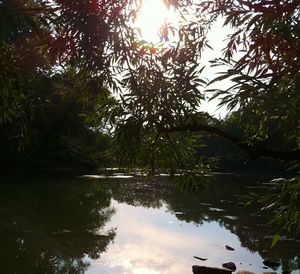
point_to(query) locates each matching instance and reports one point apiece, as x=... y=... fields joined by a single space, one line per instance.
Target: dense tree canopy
x=88 y=57
x=160 y=87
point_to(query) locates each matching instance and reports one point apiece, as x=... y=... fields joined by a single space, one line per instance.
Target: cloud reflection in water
x=153 y=241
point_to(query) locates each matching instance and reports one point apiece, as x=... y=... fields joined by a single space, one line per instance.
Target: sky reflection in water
x=154 y=241
x=66 y=225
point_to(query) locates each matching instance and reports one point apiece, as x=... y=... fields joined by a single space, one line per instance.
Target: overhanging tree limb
x=253 y=151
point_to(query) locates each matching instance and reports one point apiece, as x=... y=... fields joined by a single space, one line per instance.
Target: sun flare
x=152 y=16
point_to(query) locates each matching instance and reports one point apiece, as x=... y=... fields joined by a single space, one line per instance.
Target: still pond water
x=122 y=225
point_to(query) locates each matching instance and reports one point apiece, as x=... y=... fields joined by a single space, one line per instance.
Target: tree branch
x=253 y=151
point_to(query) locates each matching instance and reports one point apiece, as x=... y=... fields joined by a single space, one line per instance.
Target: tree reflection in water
x=52 y=226
x=57 y=226
x=223 y=202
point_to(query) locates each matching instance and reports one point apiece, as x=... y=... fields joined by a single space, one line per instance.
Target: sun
x=152 y=17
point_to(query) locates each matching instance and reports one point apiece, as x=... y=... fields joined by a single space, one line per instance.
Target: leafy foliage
x=81 y=69
x=261 y=56
x=283 y=202
x=262 y=61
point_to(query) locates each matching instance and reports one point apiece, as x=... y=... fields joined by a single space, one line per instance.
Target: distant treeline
x=227 y=157
x=56 y=128
x=61 y=136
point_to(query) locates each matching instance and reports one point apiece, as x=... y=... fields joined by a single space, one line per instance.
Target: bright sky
x=151 y=18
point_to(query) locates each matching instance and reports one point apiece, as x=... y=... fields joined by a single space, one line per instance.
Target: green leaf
x=275 y=239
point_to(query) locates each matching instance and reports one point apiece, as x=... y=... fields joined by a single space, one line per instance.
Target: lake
x=90 y=224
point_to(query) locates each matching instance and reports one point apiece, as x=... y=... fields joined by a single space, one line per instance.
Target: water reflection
x=219 y=211
x=50 y=227
x=119 y=225
x=157 y=243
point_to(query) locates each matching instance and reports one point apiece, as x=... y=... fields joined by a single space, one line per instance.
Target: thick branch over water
x=253 y=151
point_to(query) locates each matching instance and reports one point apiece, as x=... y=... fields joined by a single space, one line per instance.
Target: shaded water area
x=130 y=225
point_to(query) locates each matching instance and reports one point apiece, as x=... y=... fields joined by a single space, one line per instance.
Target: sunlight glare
x=152 y=16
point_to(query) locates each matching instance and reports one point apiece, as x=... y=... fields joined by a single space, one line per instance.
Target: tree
x=155 y=117
x=40 y=95
x=265 y=76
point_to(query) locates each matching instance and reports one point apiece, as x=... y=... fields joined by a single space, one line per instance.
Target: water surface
x=128 y=225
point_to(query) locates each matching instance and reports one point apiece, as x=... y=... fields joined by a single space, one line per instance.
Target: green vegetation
x=74 y=74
